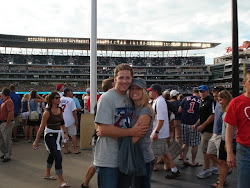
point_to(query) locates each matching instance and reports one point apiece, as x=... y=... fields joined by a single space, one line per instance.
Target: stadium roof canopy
x=19 y=41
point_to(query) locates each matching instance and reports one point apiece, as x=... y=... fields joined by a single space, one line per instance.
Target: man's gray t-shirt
x=112 y=109
x=145 y=141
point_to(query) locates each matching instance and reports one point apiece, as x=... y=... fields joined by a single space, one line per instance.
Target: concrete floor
x=26 y=170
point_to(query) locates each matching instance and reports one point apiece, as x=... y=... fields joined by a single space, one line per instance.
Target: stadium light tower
x=93 y=55
x=235 y=50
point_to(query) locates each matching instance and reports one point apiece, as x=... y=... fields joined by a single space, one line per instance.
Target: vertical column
x=235 y=52
x=93 y=55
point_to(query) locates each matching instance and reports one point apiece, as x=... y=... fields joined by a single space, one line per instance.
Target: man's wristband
x=156 y=132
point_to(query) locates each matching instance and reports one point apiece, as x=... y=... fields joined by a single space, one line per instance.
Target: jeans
x=145 y=181
x=107 y=177
x=243 y=165
x=54 y=155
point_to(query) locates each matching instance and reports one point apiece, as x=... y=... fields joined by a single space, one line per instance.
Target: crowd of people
x=135 y=127
x=101 y=60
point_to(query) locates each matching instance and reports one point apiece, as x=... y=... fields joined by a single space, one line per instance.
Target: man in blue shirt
x=16 y=99
x=214 y=142
x=189 y=108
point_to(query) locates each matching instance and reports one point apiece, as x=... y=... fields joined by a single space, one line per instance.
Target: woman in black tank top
x=53 y=123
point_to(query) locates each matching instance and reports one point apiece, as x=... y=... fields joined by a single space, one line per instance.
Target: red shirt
x=6 y=107
x=238 y=114
x=88 y=102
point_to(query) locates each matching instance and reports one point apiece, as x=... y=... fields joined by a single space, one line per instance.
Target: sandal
x=65 y=185
x=78 y=152
x=186 y=164
x=50 y=178
x=196 y=165
x=216 y=184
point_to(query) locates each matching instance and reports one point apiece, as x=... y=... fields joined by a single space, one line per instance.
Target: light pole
x=235 y=51
x=93 y=56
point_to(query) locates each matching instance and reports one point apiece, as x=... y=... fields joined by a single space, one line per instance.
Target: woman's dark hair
x=50 y=97
x=33 y=94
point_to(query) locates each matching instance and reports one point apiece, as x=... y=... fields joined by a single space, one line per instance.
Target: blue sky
x=167 y=20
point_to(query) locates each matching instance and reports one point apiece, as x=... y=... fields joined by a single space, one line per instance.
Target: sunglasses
x=57 y=97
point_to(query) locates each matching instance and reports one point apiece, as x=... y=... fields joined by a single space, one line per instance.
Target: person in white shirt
x=160 y=131
x=70 y=118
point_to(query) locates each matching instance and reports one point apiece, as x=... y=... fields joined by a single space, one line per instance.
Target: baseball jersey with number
x=68 y=106
x=190 y=110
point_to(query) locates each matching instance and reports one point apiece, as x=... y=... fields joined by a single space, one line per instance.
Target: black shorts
x=222 y=150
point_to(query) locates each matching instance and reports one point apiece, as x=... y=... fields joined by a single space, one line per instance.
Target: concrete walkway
x=26 y=170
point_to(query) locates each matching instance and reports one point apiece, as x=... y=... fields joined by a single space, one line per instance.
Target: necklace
x=54 y=111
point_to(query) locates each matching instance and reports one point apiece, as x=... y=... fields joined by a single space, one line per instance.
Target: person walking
x=205 y=125
x=55 y=131
x=70 y=119
x=160 y=131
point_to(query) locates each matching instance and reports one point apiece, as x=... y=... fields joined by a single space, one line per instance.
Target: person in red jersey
x=238 y=116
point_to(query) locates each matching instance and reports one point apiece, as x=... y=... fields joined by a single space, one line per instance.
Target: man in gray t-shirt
x=112 y=116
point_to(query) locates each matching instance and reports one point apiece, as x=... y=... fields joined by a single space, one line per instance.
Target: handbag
x=33 y=116
x=175 y=148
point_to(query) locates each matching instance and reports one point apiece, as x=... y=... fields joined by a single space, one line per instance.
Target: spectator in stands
x=25 y=114
x=17 y=108
x=53 y=123
x=34 y=99
x=59 y=89
x=238 y=115
x=6 y=125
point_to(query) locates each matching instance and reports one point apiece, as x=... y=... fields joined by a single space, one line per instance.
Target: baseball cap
x=203 y=88
x=155 y=87
x=139 y=83
x=59 y=86
x=88 y=90
x=173 y=93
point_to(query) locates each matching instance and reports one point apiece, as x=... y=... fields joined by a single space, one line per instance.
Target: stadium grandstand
x=35 y=62
x=222 y=68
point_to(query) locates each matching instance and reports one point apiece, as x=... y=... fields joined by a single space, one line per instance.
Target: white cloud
x=182 y=20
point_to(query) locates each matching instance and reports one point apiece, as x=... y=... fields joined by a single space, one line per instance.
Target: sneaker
x=173 y=175
x=204 y=174
x=215 y=170
x=6 y=160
